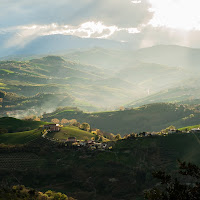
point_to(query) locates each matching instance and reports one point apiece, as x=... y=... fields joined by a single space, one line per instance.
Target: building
x=195 y=130
x=171 y=131
x=71 y=139
x=52 y=127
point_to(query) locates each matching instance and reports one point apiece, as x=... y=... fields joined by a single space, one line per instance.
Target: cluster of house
x=171 y=131
x=52 y=127
x=72 y=141
x=91 y=144
x=195 y=130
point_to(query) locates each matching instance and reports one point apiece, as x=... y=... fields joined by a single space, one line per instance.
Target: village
x=92 y=144
x=73 y=142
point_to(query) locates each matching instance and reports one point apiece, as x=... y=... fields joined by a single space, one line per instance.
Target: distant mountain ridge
x=108 y=78
x=171 y=55
x=55 y=44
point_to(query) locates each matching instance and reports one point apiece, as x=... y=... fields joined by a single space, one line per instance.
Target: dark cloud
x=122 y=13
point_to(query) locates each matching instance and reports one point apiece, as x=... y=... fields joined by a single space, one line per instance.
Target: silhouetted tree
x=186 y=186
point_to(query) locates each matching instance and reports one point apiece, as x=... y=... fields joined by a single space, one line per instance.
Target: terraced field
x=20 y=161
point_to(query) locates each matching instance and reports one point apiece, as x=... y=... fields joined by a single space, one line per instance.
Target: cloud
x=25 y=34
x=177 y=14
x=147 y=36
x=151 y=36
x=136 y=1
x=121 y=13
x=142 y=23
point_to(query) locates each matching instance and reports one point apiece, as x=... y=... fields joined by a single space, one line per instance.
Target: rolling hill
x=152 y=117
x=171 y=55
x=97 y=79
x=16 y=125
x=55 y=76
x=19 y=137
x=53 y=44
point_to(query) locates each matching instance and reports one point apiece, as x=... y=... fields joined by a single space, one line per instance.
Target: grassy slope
x=188 y=128
x=19 y=137
x=71 y=132
x=17 y=125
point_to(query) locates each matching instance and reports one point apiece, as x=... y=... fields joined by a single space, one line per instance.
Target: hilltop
x=71 y=131
x=16 y=131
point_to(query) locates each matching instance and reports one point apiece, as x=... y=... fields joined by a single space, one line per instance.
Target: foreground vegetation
x=125 y=171
x=20 y=192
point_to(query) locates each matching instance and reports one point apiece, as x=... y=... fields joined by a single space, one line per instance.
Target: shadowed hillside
x=152 y=117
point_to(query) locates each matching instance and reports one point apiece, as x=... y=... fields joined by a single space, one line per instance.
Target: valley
x=127 y=101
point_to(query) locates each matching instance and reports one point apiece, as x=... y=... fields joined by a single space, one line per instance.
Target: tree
x=72 y=121
x=185 y=186
x=3 y=130
x=55 y=120
x=121 y=108
x=118 y=137
x=85 y=126
x=64 y=121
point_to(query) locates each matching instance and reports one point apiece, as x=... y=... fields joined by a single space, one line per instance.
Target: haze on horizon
x=140 y=23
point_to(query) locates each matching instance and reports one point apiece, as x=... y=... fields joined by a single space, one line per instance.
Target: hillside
x=97 y=79
x=75 y=84
x=180 y=95
x=171 y=55
x=19 y=137
x=15 y=125
x=71 y=131
x=54 y=44
x=152 y=117
x=123 y=172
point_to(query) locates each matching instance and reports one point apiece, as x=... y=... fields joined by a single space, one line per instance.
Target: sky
x=139 y=22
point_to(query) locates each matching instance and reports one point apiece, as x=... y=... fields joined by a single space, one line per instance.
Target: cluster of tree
x=64 y=121
x=85 y=126
x=168 y=129
x=3 y=130
x=20 y=192
x=100 y=135
x=32 y=118
x=183 y=186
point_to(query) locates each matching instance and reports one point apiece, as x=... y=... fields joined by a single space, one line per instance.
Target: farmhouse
x=72 y=139
x=52 y=127
x=171 y=131
x=195 y=130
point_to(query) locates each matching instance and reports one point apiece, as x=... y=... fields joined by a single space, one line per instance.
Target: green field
x=188 y=128
x=17 y=125
x=71 y=132
x=19 y=137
